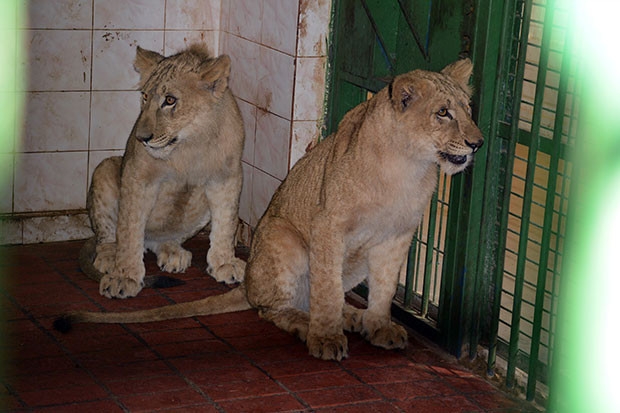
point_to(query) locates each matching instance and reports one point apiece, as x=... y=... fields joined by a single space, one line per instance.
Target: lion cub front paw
x=391 y=336
x=333 y=347
x=230 y=273
x=112 y=286
x=174 y=260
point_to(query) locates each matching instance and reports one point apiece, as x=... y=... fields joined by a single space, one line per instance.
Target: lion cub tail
x=229 y=302
x=87 y=256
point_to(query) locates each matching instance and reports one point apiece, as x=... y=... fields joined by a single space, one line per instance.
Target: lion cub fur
x=347 y=212
x=181 y=170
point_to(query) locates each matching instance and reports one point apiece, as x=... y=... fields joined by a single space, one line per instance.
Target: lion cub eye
x=169 y=101
x=145 y=96
x=444 y=113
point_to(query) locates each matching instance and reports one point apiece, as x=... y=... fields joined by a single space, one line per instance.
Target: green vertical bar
x=408 y=298
x=507 y=43
x=527 y=196
x=548 y=220
x=428 y=266
x=489 y=38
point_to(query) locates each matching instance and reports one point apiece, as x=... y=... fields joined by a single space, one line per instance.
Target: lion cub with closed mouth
x=346 y=213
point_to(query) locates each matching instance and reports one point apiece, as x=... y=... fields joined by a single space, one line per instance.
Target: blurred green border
x=586 y=365
x=11 y=87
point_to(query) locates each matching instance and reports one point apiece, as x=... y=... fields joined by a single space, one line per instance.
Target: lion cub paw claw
x=119 y=287
x=229 y=273
x=328 y=348
x=389 y=337
x=174 y=262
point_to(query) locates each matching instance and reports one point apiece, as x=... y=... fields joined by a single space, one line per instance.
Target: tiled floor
x=224 y=363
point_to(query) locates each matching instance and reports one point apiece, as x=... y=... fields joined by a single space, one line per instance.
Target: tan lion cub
x=347 y=213
x=181 y=169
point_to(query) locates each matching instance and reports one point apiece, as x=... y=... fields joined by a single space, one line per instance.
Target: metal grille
x=421 y=279
x=538 y=197
x=484 y=267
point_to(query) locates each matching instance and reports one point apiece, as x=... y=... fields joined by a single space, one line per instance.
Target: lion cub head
x=438 y=106
x=176 y=90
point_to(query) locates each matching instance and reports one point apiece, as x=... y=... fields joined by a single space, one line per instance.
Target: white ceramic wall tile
x=193 y=14
x=244 y=56
x=279 y=29
x=114 y=53
x=11 y=231
x=248 y=113
x=50 y=181
x=56 y=121
x=263 y=188
x=246 y=18
x=129 y=14
x=313 y=27
x=309 y=88
x=58 y=14
x=245 y=201
x=95 y=158
x=57 y=60
x=224 y=16
x=272 y=144
x=112 y=117
x=305 y=133
x=275 y=82
x=180 y=40
x=6 y=183
x=56 y=228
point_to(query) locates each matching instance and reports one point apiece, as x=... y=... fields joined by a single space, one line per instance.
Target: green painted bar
x=428 y=264
x=527 y=199
x=548 y=219
x=510 y=154
x=409 y=285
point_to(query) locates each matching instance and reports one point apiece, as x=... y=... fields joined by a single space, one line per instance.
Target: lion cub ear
x=145 y=62
x=215 y=74
x=460 y=71
x=403 y=92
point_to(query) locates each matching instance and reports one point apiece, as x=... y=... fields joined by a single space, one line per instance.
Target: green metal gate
x=483 y=271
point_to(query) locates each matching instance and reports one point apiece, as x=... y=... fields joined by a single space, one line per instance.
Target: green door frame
x=470 y=28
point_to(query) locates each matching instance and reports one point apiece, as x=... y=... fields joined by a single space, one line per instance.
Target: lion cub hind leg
x=171 y=257
x=290 y=319
x=105 y=254
x=386 y=335
x=352 y=318
x=385 y=262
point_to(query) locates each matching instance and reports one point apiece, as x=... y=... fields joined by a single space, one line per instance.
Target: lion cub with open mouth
x=347 y=213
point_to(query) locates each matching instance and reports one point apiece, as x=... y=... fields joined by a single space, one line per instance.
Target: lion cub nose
x=474 y=145
x=144 y=139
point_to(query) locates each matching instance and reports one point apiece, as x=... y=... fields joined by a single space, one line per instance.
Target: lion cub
x=181 y=169
x=347 y=213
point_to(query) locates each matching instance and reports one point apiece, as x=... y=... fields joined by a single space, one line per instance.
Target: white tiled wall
x=81 y=101
x=279 y=54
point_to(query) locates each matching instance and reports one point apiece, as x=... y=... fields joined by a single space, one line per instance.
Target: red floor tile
x=266 y=404
x=413 y=389
x=336 y=396
x=231 y=390
x=221 y=363
x=148 y=402
x=144 y=385
x=447 y=404
x=320 y=380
